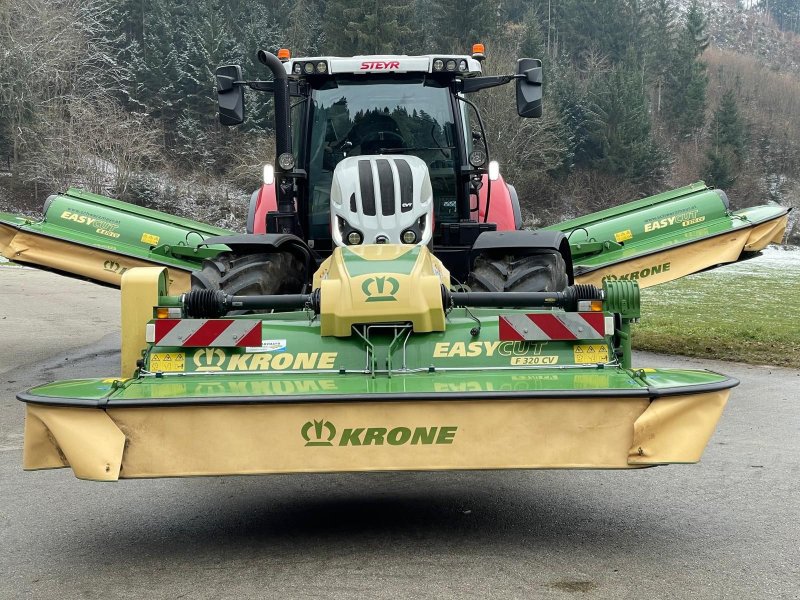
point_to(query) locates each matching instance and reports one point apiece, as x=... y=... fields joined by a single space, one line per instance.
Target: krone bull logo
x=380 y=289
x=209 y=359
x=319 y=438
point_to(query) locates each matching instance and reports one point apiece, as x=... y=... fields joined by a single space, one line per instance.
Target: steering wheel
x=377 y=140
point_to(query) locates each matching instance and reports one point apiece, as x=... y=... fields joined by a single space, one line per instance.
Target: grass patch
x=747 y=312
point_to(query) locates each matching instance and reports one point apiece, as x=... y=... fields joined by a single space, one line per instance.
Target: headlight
x=286 y=161
x=477 y=158
x=354 y=238
x=409 y=236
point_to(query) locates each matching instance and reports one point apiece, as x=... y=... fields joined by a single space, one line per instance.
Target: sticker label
x=214 y=359
x=268 y=346
x=324 y=433
x=526 y=361
x=623 y=236
x=100 y=224
x=149 y=238
x=586 y=354
x=168 y=362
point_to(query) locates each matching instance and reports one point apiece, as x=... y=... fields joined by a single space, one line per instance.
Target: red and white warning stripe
x=224 y=333
x=555 y=326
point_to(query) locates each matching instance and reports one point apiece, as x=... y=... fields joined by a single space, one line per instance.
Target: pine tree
x=305 y=31
x=687 y=81
x=628 y=148
x=727 y=126
x=728 y=142
x=381 y=27
x=533 y=43
x=719 y=170
x=461 y=23
x=608 y=28
x=661 y=45
x=696 y=24
x=582 y=120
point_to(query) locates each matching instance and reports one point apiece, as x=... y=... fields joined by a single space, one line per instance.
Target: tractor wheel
x=544 y=272
x=251 y=274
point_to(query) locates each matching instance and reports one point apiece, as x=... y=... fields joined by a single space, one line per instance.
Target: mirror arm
x=474 y=84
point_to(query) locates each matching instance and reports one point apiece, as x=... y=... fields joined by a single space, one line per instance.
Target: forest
x=117 y=96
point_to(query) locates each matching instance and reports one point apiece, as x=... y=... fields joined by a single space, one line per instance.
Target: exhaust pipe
x=286 y=219
x=283 y=137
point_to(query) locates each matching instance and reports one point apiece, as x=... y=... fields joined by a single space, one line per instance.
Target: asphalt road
x=725 y=528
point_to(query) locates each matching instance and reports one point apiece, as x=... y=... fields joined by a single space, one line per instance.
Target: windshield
x=355 y=115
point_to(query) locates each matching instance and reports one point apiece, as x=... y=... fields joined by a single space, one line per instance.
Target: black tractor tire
x=543 y=272
x=254 y=274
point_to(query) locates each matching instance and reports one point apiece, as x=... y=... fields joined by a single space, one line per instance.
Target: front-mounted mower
x=379 y=367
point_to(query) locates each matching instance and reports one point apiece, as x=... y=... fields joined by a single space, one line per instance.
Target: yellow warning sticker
x=623 y=236
x=589 y=354
x=168 y=362
x=149 y=238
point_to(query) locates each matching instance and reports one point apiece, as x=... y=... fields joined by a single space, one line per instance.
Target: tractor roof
x=463 y=65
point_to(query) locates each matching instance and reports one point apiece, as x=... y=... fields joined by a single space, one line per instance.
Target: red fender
x=262 y=201
x=501 y=207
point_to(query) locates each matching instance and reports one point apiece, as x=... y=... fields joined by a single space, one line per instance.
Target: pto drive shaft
x=212 y=304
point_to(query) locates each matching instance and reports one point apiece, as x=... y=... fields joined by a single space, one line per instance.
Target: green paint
x=114 y=227
x=357 y=265
x=662 y=222
x=380 y=289
x=311 y=386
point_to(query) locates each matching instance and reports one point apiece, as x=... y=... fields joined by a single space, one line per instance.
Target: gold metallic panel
x=141 y=289
x=673 y=263
x=95 y=263
x=614 y=433
x=676 y=430
x=86 y=440
x=381 y=297
x=764 y=234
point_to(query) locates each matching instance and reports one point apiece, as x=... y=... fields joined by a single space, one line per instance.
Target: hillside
x=117 y=96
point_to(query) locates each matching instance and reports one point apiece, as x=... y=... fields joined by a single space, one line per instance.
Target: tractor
x=365 y=145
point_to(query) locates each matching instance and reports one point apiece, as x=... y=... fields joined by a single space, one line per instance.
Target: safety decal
x=590 y=354
x=552 y=326
x=223 y=333
x=167 y=362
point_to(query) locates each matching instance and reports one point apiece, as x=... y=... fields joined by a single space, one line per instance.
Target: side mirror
x=529 y=87
x=230 y=96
